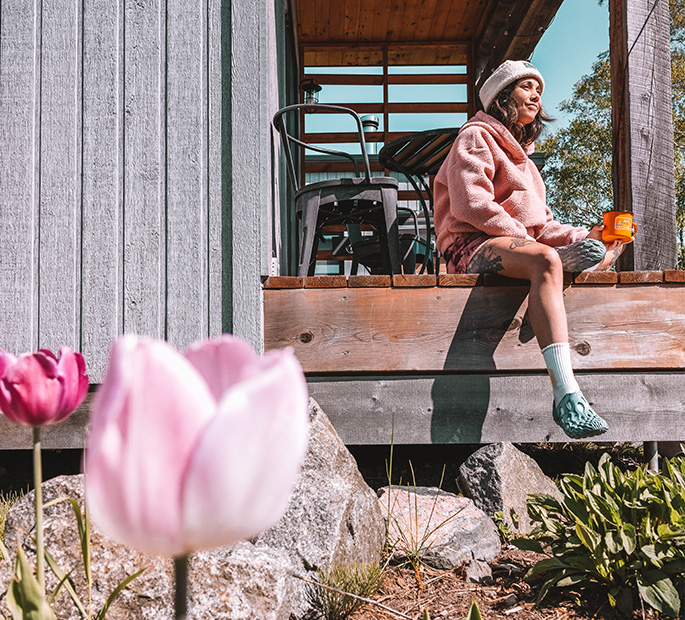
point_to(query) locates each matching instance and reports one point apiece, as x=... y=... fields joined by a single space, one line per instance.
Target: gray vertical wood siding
x=130 y=130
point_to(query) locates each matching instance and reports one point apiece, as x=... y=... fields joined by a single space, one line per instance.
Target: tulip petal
x=31 y=390
x=247 y=461
x=223 y=362
x=145 y=423
x=72 y=369
x=6 y=359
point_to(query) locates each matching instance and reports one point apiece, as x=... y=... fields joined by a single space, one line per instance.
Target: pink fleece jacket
x=487 y=183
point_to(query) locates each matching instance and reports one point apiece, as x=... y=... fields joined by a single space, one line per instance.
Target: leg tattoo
x=519 y=243
x=485 y=260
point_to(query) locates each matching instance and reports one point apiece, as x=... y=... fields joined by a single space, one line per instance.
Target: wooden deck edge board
x=447 y=409
x=401 y=281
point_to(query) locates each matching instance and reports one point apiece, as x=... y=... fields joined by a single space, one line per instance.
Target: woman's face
x=526 y=95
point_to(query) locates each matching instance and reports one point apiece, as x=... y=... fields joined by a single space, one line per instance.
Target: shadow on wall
x=461 y=396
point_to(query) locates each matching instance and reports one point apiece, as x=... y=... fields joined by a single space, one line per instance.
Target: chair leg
x=308 y=238
x=392 y=242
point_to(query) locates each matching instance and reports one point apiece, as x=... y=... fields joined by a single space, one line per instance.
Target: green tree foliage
x=578 y=157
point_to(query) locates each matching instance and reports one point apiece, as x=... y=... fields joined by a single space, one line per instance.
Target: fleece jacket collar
x=501 y=134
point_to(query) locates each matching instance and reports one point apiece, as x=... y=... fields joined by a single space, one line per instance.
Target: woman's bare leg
x=539 y=263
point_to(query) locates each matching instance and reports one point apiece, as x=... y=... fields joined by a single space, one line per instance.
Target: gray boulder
x=498 y=478
x=443 y=529
x=333 y=516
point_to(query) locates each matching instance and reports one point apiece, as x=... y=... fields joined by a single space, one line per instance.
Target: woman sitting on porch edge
x=491 y=216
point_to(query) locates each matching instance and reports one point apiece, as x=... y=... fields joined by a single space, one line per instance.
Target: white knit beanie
x=509 y=71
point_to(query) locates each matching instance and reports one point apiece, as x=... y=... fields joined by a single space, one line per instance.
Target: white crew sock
x=558 y=361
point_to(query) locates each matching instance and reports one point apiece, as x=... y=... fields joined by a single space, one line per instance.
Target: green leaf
x=546 y=565
x=474 y=612
x=527 y=544
x=589 y=538
x=59 y=573
x=628 y=537
x=25 y=597
x=111 y=598
x=658 y=590
x=578 y=509
x=571 y=580
x=83 y=524
x=613 y=542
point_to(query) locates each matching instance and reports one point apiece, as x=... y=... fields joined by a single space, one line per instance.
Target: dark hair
x=503 y=108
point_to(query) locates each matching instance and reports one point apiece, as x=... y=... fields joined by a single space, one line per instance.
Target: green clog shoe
x=577 y=418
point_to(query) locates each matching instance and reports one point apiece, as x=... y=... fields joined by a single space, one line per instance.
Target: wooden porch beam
x=512 y=32
x=643 y=129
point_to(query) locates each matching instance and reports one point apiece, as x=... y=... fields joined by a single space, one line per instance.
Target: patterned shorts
x=459 y=254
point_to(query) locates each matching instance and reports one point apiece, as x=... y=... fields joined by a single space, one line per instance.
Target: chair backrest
x=289 y=138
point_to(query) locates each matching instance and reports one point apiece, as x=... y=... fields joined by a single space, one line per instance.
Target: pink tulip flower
x=194 y=451
x=37 y=389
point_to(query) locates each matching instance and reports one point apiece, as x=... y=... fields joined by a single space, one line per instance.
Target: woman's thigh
x=513 y=257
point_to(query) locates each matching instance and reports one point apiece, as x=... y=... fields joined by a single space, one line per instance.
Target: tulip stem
x=181 y=597
x=38 y=495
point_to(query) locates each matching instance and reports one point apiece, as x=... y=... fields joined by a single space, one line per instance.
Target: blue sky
x=579 y=32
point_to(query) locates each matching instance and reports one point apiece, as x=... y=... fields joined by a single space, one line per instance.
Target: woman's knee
x=545 y=263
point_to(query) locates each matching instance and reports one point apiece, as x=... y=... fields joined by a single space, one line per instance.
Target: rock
x=445 y=530
x=478 y=571
x=498 y=478
x=333 y=516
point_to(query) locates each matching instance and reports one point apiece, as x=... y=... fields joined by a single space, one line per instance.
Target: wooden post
x=643 y=129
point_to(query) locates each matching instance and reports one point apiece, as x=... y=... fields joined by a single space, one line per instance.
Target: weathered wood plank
x=473 y=329
x=325 y=281
x=412 y=280
x=186 y=191
x=144 y=156
x=481 y=408
x=68 y=434
x=60 y=176
x=216 y=171
x=19 y=180
x=643 y=129
x=102 y=193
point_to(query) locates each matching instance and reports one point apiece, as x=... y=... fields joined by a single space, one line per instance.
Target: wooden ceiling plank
x=352 y=11
x=412 y=11
x=306 y=19
x=382 y=10
x=337 y=28
x=322 y=19
x=367 y=16
x=395 y=20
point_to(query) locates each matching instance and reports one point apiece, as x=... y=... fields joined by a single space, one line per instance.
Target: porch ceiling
x=493 y=29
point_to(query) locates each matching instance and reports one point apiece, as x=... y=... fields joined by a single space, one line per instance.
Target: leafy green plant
x=622 y=533
x=344 y=588
x=505 y=533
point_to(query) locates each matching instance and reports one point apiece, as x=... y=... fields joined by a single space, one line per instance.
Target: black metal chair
x=355 y=201
x=418 y=156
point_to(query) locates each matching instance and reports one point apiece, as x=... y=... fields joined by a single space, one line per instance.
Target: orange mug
x=618 y=225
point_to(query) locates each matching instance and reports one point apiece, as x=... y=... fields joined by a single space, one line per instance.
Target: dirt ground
x=448 y=595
